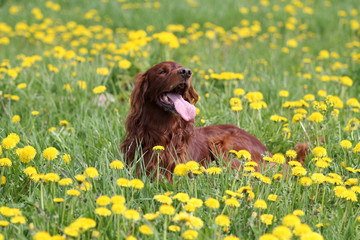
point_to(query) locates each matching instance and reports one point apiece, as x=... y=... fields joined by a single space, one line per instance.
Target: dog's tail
x=302 y=149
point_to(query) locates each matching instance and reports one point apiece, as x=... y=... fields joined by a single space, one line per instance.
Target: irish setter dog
x=162 y=113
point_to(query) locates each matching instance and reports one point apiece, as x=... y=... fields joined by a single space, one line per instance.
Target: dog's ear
x=137 y=100
x=191 y=95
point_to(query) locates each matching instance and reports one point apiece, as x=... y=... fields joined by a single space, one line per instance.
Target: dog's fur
x=151 y=122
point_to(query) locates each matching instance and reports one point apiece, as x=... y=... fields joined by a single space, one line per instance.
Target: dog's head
x=168 y=86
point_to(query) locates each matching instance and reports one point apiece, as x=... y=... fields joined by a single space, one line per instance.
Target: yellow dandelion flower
x=146 y=230
x=163 y=199
x=180 y=170
x=91 y=172
x=124 y=64
x=213 y=170
x=282 y=232
x=66 y=158
x=103 y=200
x=118 y=208
x=15 y=119
x=50 y=153
x=316 y=117
x=182 y=197
x=174 y=228
x=222 y=220
x=291 y=220
x=99 y=89
x=27 y=153
x=212 y=203
x=123 y=182
x=167 y=209
x=232 y=202
x=267 y=219
x=190 y=234
x=260 y=203
x=136 y=183
x=117 y=164
x=131 y=214
x=346 y=144
x=102 y=211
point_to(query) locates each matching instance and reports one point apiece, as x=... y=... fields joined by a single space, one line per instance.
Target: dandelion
x=278 y=158
x=58 y=200
x=192 y=166
x=305 y=181
x=123 y=182
x=195 y=202
x=50 y=153
x=91 y=172
x=298 y=171
x=311 y=236
x=190 y=234
x=117 y=164
x=27 y=153
x=136 y=183
x=118 y=208
x=167 y=209
x=319 y=152
x=99 y=89
x=15 y=119
x=64 y=123
x=291 y=154
x=267 y=218
x=73 y=192
x=5 y=162
x=283 y=93
x=18 y=220
x=213 y=170
x=117 y=199
x=180 y=170
x=163 y=199
x=222 y=220
x=124 y=64
x=101 y=211
x=356 y=149
x=316 y=117
x=4 y=223
x=272 y=197
x=260 y=203
x=174 y=228
x=29 y=171
x=282 y=232
x=102 y=71
x=158 y=148
x=301 y=229
x=9 y=143
x=146 y=230
x=268 y=236
x=80 y=178
x=239 y=92
x=232 y=202
x=51 y=177
x=131 y=214
x=212 y=203
x=103 y=200
x=151 y=216
x=298 y=212
x=291 y=220
x=66 y=158
x=182 y=197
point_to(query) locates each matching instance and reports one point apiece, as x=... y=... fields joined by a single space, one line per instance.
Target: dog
x=162 y=113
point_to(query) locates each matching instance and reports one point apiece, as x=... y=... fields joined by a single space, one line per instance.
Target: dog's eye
x=163 y=72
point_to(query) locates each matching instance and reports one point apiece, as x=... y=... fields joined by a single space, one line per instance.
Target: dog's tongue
x=186 y=110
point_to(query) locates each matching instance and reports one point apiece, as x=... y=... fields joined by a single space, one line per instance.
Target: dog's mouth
x=174 y=101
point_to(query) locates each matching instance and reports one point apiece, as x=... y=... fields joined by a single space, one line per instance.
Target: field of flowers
x=286 y=71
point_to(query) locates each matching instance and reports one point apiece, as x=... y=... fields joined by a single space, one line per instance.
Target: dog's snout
x=185 y=72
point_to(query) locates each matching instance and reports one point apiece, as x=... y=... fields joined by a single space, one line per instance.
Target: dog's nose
x=185 y=73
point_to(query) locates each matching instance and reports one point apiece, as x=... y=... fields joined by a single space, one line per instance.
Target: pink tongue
x=186 y=110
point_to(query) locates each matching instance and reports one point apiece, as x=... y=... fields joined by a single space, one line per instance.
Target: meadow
x=286 y=71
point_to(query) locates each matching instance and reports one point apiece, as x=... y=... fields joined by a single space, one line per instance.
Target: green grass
x=95 y=132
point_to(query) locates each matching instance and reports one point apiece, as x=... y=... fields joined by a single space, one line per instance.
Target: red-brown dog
x=162 y=113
